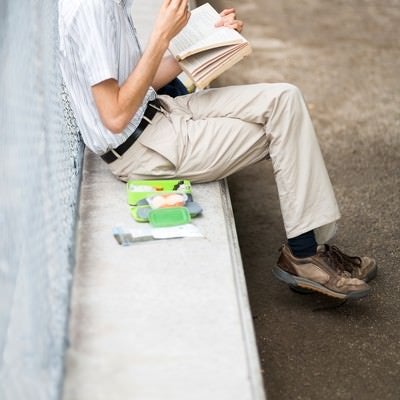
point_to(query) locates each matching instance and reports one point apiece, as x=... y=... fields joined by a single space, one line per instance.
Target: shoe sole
x=300 y=290
x=372 y=275
x=296 y=282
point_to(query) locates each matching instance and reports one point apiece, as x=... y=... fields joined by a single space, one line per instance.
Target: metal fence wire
x=40 y=163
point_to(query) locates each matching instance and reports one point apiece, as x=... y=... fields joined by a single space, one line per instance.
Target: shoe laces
x=342 y=262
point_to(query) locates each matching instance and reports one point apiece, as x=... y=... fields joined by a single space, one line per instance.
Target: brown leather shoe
x=363 y=268
x=324 y=273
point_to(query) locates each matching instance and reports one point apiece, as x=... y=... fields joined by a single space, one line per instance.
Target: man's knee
x=289 y=90
x=282 y=91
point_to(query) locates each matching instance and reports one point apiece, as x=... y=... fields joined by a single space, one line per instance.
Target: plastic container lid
x=171 y=216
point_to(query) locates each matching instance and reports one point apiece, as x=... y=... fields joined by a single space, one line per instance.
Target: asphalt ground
x=345 y=57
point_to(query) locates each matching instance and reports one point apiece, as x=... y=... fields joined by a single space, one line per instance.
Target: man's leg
x=211 y=134
x=306 y=195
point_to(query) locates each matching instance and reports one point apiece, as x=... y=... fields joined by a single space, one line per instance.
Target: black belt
x=152 y=107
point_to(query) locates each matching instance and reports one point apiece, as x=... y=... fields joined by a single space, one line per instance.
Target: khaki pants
x=211 y=134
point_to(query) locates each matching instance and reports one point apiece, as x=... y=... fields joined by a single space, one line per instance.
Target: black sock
x=303 y=245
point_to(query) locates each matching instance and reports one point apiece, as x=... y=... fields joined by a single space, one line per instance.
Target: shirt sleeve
x=94 y=34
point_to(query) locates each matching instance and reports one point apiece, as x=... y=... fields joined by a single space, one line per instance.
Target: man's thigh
x=251 y=103
x=202 y=150
x=199 y=144
x=217 y=147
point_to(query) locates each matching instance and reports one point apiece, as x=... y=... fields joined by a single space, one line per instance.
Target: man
x=203 y=136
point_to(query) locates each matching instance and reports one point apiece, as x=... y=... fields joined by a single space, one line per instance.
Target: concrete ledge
x=158 y=320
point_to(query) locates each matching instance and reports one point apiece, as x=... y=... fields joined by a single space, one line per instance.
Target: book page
x=222 y=66
x=202 y=68
x=201 y=34
x=215 y=65
x=196 y=62
x=212 y=63
x=201 y=61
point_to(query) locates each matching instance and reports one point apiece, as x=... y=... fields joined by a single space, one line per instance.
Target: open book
x=203 y=51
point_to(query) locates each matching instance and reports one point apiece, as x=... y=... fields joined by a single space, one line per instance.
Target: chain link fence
x=40 y=164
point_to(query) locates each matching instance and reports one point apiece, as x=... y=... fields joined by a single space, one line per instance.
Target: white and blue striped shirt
x=97 y=42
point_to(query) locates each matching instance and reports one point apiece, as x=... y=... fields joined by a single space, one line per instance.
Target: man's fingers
x=179 y=4
x=177 y=9
x=233 y=24
x=227 y=11
x=173 y=16
x=228 y=19
x=237 y=25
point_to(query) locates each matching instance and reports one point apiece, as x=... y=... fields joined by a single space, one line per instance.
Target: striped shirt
x=97 y=42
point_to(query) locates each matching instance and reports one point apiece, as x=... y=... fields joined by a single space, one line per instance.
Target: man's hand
x=228 y=19
x=172 y=18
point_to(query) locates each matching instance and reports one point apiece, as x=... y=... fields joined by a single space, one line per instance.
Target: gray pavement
x=345 y=56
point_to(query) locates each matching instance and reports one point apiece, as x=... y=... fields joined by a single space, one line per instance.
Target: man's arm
x=118 y=104
x=168 y=70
